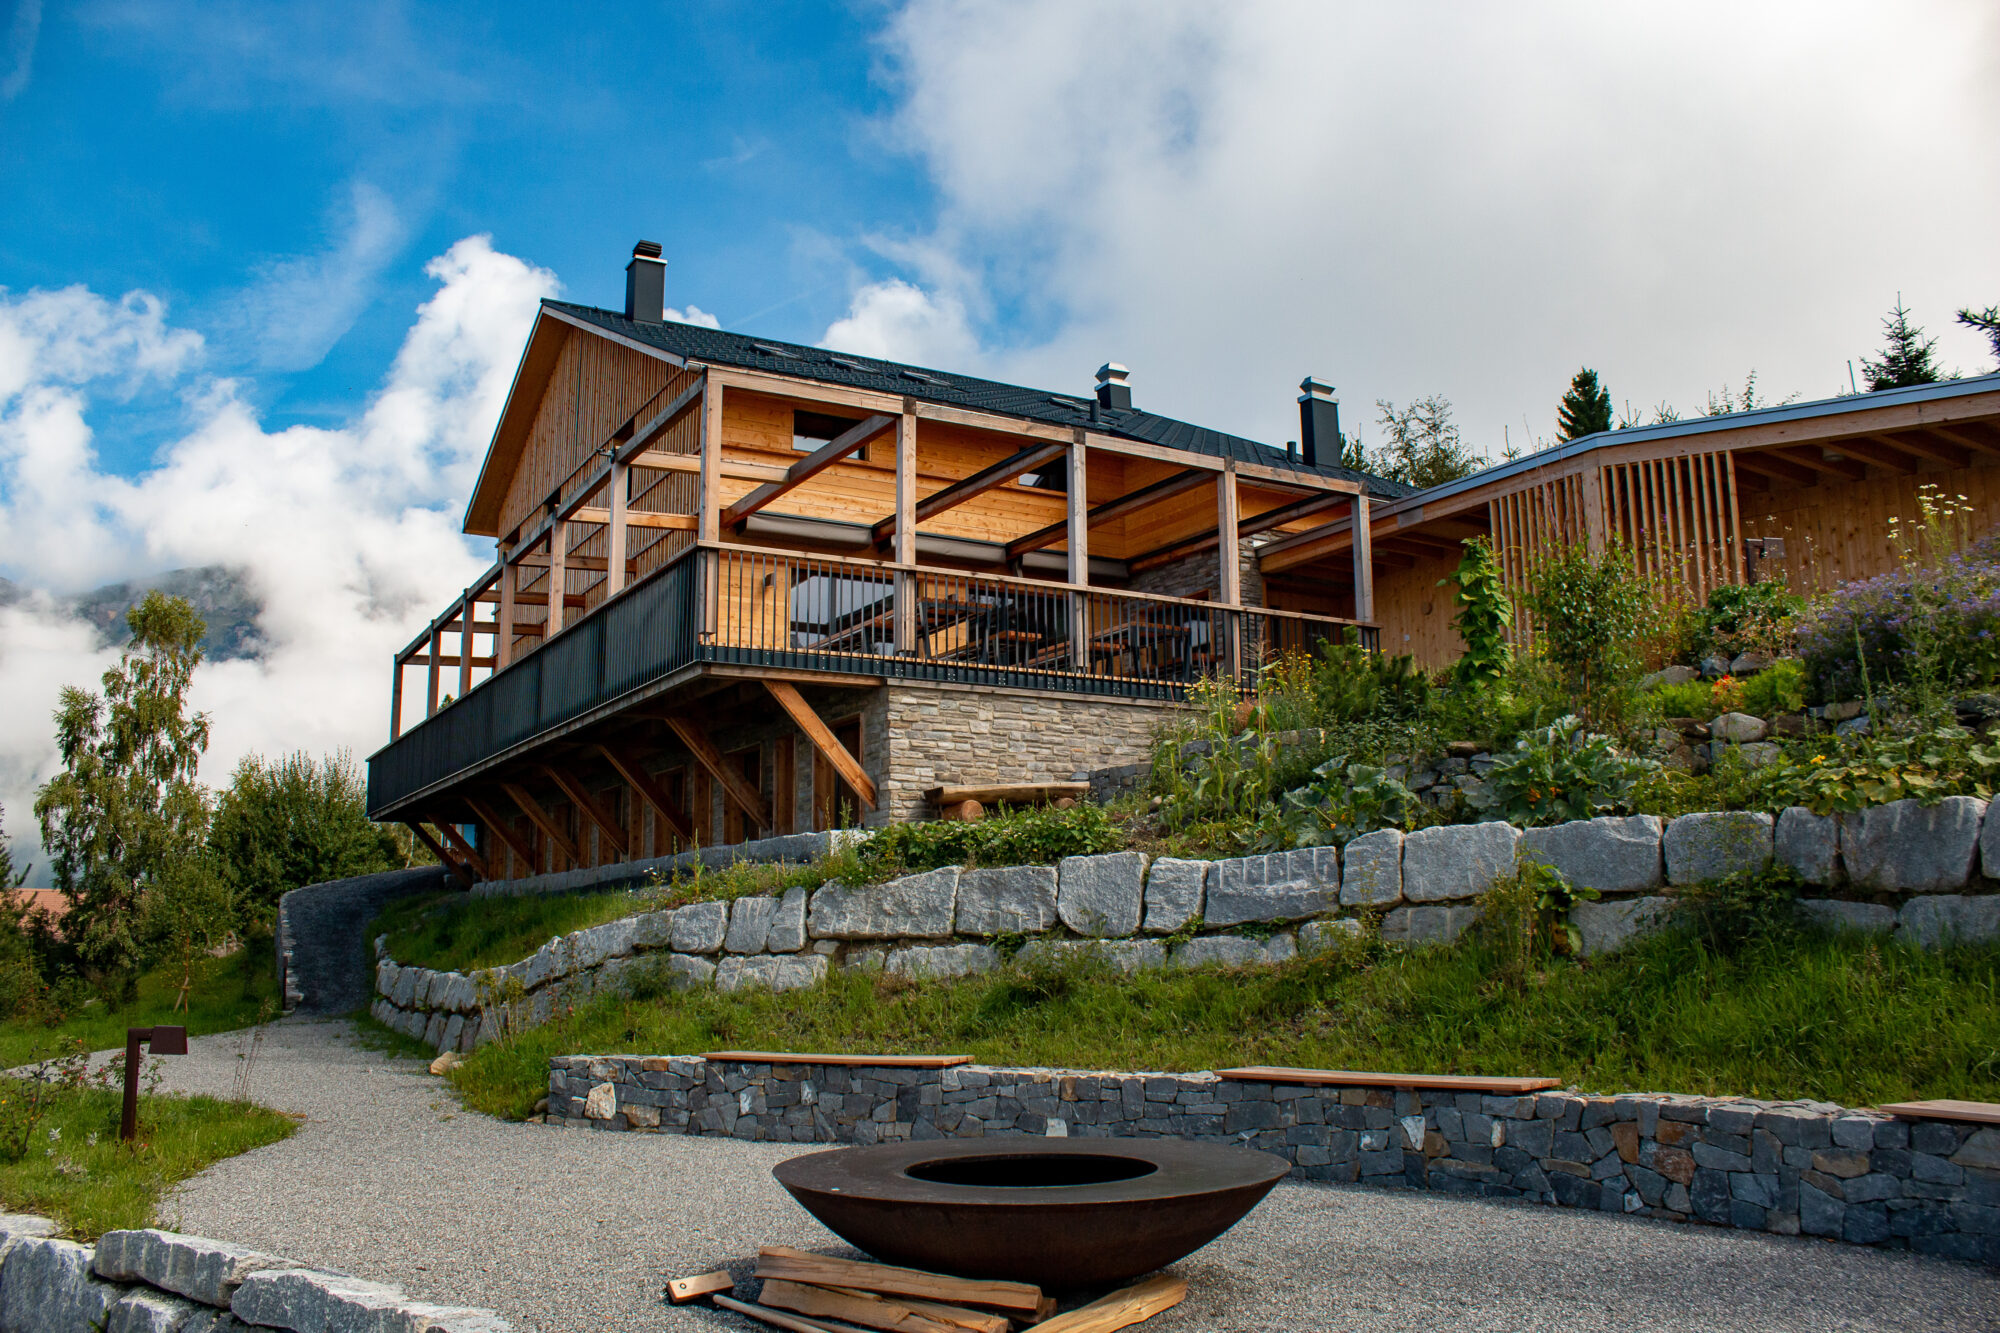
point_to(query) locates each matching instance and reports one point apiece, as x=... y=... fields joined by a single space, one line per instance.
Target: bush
x=1035 y=835
x=1778 y=688
x=1347 y=801
x=1590 y=609
x=1558 y=773
x=1745 y=617
x=285 y=823
x=1748 y=907
x=1485 y=613
x=1694 y=698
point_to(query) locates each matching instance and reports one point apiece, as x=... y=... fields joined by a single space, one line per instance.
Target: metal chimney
x=646 y=284
x=1113 y=393
x=1319 y=420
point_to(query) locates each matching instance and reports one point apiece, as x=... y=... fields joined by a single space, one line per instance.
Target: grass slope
x=232 y=992
x=1842 y=1018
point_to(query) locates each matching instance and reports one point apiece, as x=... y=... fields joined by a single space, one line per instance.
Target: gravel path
x=564 y=1230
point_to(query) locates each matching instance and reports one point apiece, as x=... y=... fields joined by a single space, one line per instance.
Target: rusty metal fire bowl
x=1060 y=1213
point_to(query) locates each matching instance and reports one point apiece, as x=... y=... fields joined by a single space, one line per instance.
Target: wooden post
x=546 y=822
x=708 y=523
x=738 y=789
x=435 y=646
x=906 y=528
x=1364 y=563
x=1229 y=587
x=500 y=828
x=396 y=700
x=629 y=767
x=823 y=740
x=466 y=608
x=558 y=577
x=1078 y=538
x=465 y=849
x=503 y=642
x=614 y=533
x=1594 y=508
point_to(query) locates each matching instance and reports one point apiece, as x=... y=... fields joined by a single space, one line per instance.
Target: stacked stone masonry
x=159 y=1282
x=1923 y=873
x=1794 y=1168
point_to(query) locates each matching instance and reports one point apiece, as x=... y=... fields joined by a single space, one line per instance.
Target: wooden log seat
x=1349 y=1078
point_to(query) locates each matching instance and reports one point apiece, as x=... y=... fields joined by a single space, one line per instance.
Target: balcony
x=716 y=606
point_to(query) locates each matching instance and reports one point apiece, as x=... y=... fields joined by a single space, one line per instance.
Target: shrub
x=1779 y=688
x=1035 y=835
x=1741 y=909
x=1484 y=613
x=1347 y=801
x=1690 y=699
x=1558 y=773
x=289 y=822
x=1589 y=611
x=1745 y=617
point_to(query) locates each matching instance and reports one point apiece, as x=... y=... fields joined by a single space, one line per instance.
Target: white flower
x=55 y=1133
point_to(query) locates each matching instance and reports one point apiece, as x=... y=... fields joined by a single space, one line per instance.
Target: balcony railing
x=762 y=608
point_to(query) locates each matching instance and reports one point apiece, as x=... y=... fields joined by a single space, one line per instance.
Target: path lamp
x=163 y=1041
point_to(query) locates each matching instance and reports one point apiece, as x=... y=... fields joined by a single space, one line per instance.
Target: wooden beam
x=558 y=579
x=636 y=518
x=734 y=784
x=709 y=505
x=660 y=423
x=544 y=821
x=1291 y=513
x=614 y=528
x=1889 y=457
x=1814 y=457
x=656 y=461
x=1363 y=560
x=1076 y=530
x=980 y=482
x=1772 y=466
x=627 y=766
x=503 y=638
x=445 y=858
x=1164 y=489
x=1916 y=442
x=959 y=416
x=1229 y=567
x=819 y=460
x=1965 y=439
x=504 y=830
x=822 y=738
x=905 y=528
x=584 y=801
x=464 y=848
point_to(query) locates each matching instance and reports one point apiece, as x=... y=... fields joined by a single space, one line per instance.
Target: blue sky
x=209 y=153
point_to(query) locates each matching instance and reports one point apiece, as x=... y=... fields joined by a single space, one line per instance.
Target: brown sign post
x=163 y=1041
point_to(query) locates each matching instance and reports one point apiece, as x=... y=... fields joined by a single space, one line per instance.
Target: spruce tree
x=1907 y=356
x=1987 y=321
x=1585 y=409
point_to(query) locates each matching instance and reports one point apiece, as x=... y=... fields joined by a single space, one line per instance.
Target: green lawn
x=232 y=992
x=1799 y=1015
x=75 y=1169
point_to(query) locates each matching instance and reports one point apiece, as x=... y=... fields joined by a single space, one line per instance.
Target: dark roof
x=938 y=386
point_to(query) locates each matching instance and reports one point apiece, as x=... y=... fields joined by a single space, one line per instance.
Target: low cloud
x=897 y=321
x=348 y=538
x=20 y=55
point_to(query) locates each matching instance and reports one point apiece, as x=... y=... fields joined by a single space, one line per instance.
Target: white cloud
x=896 y=321
x=21 y=34
x=694 y=314
x=1421 y=198
x=349 y=538
x=300 y=307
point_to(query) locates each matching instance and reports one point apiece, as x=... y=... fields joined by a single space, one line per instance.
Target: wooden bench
x=807 y=1058
x=1978 y=1113
x=1350 y=1078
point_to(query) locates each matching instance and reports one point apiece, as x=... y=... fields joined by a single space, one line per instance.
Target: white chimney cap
x=1111 y=373
x=1312 y=388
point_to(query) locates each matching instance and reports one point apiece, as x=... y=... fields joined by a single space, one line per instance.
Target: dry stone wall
x=1922 y=873
x=160 y=1282
x=1794 y=1168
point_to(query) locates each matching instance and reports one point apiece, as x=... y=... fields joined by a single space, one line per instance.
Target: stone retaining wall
x=158 y=1282
x=1917 y=871
x=1793 y=1168
x=795 y=848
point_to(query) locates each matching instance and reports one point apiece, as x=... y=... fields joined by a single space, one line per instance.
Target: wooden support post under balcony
x=503 y=637
x=627 y=766
x=738 y=789
x=544 y=821
x=1078 y=537
x=465 y=612
x=504 y=830
x=465 y=849
x=906 y=528
x=436 y=644
x=445 y=858
x=1364 y=563
x=396 y=701
x=580 y=797
x=823 y=740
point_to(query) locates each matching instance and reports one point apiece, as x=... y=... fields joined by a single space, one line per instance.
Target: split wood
x=1121 y=1309
x=777 y=1261
x=872 y=1311
x=681 y=1290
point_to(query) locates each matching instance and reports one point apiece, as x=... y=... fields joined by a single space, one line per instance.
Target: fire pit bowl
x=1060 y=1213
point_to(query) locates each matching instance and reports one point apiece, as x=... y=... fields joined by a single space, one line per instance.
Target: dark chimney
x=1113 y=393
x=646 y=284
x=1319 y=421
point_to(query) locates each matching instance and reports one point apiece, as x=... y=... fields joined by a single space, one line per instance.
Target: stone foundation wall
x=955 y=735
x=160 y=1282
x=1921 y=873
x=1794 y=1168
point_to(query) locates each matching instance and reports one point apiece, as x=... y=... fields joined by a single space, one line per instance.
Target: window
x=810 y=430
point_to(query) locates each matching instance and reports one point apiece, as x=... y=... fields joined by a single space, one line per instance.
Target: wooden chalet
x=744 y=587
x=1803 y=491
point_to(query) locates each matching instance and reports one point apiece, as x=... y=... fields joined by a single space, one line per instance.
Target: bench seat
x=1978 y=1113
x=848 y=1061
x=1350 y=1078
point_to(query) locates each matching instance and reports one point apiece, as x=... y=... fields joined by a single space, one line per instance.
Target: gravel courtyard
x=562 y=1230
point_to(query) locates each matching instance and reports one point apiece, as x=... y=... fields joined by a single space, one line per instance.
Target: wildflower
x=1819 y=759
x=55 y=1133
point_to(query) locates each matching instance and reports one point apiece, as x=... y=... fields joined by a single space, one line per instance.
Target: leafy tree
x=1484 y=613
x=1589 y=609
x=1424 y=447
x=189 y=911
x=10 y=878
x=294 y=821
x=1987 y=321
x=1907 y=356
x=126 y=811
x=1585 y=409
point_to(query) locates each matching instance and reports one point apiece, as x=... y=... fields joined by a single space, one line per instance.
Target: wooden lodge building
x=745 y=587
